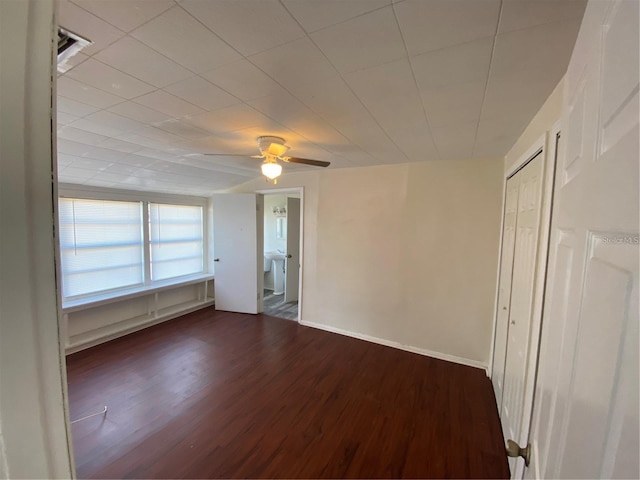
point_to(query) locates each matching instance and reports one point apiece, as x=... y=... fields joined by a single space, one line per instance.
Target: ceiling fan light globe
x=271 y=170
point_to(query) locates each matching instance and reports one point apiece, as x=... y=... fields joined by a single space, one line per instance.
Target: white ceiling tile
x=243 y=79
x=90 y=164
x=182 y=129
x=365 y=41
x=126 y=15
x=186 y=41
x=138 y=112
x=81 y=136
x=235 y=117
x=87 y=25
x=136 y=160
x=108 y=79
x=76 y=173
x=120 y=145
x=202 y=93
x=293 y=114
x=455 y=144
x=65 y=118
x=332 y=99
x=104 y=131
x=507 y=97
x=115 y=121
x=250 y=26
x=294 y=63
x=316 y=14
x=389 y=93
x=163 y=137
x=145 y=141
x=434 y=24
x=455 y=104
x=83 y=93
x=120 y=169
x=72 y=107
x=546 y=47
x=168 y=104
x=65 y=160
x=71 y=147
x=519 y=14
x=464 y=63
x=126 y=55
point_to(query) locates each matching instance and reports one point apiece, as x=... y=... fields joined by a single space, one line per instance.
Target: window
x=176 y=237
x=101 y=245
x=104 y=245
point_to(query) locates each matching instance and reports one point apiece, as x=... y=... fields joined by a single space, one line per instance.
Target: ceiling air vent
x=69 y=44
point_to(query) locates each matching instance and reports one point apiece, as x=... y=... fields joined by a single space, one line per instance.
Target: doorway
x=282 y=247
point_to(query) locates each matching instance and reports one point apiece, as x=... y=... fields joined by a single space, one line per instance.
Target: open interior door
x=292 y=277
x=237 y=242
x=586 y=419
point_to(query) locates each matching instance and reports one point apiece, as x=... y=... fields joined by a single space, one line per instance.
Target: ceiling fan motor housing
x=273 y=146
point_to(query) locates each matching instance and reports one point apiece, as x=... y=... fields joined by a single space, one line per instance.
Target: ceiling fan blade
x=229 y=155
x=306 y=161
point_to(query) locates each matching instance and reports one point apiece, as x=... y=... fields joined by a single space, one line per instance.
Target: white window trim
x=66 y=190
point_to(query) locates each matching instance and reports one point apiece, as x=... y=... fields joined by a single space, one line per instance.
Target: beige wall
x=548 y=114
x=405 y=254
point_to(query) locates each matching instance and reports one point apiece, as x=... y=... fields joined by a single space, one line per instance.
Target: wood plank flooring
x=223 y=395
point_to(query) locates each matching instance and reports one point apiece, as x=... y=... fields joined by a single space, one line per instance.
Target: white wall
x=271 y=242
x=404 y=254
x=32 y=378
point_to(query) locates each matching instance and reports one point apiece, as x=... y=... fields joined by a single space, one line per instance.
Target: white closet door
x=513 y=415
x=504 y=289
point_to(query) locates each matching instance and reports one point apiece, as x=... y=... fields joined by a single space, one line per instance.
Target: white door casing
x=237 y=234
x=504 y=288
x=292 y=277
x=585 y=422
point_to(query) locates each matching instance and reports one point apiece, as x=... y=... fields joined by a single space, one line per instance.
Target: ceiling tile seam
x=486 y=85
x=415 y=82
x=350 y=89
x=341 y=21
x=570 y=19
x=99 y=18
x=213 y=33
x=195 y=74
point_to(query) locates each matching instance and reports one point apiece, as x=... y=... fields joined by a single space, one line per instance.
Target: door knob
x=289 y=256
x=514 y=450
x=216 y=259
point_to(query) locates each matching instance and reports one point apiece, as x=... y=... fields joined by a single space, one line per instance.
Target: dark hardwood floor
x=223 y=395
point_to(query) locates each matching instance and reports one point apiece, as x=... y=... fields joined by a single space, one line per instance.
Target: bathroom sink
x=274 y=256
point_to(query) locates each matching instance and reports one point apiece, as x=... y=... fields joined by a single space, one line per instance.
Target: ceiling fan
x=273 y=149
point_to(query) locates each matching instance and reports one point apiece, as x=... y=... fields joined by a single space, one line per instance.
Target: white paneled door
x=585 y=422
x=520 y=350
x=238 y=252
x=292 y=278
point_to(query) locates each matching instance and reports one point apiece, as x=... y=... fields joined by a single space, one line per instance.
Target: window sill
x=74 y=305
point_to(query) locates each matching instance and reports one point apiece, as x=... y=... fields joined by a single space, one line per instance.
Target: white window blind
x=101 y=245
x=176 y=238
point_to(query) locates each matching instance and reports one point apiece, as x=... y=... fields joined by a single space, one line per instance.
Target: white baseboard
x=399 y=346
